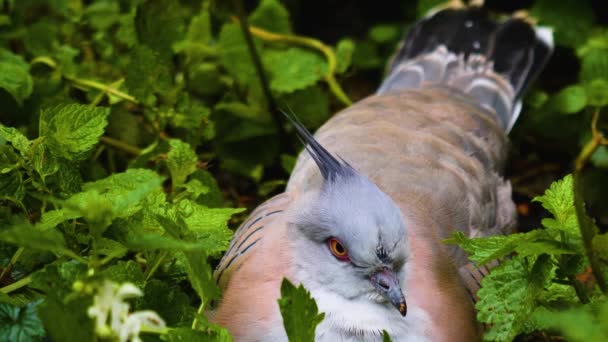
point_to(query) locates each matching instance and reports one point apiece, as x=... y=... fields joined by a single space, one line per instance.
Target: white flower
x=109 y=302
x=130 y=329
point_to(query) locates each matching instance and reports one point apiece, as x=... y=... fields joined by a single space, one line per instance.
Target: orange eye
x=337 y=249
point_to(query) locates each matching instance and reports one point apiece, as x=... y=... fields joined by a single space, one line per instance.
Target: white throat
x=364 y=319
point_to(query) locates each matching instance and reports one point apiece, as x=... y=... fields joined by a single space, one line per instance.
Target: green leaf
x=486 y=249
x=20 y=324
x=72 y=130
x=344 y=54
x=208 y=225
x=169 y=301
x=311 y=104
x=232 y=49
x=15 y=76
x=383 y=34
x=16 y=138
x=119 y=195
x=508 y=296
x=200 y=275
x=148 y=74
x=214 y=198
x=597 y=92
x=593 y=56
x=181 y=161
x=56 y=280
x=212 y=333
x=294 y=69
x=385 y=336
x=300 y=313
x=25 y=235
x=559 y=201
x=569 y=100
x=67 y=320
x=585 y=323
x=124 y=272
x=194 y=188
x=159 y=24
x=271 y=15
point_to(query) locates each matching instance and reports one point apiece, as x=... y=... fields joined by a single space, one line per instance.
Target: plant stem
x=102 y=87
x=154 y=267
x=12 y=262
x=120 y=145
x=16 y=285
x=586 y=225
x=327 y=51
x=257 y=62
x=198 y=312
x=153 y=330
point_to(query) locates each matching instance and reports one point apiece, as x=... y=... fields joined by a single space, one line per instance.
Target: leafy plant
x=130 y=129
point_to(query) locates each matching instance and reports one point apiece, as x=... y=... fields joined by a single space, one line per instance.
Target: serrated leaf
x=148 y=74
x=181 y=161
x=214 y=198
x=194 y=188
x=271 y=15
x=118 y=195
x=15 y=76
x=300 y=313
x=72 y=130
x=16 y=138
x=207 y=224
x=508 y=296
x=294 y=69
x=56 y=280
x=20 y=324
x=486 y=249
x=559 y=201
x=159 y=24
x=124 y=272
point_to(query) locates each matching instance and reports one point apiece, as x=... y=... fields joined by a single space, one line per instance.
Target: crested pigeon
x=383 y=182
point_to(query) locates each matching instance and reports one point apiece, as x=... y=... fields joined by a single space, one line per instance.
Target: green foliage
x=300 y=313
x=529 y=282
x=14 y=76
x=117 y=117
x=20 y=324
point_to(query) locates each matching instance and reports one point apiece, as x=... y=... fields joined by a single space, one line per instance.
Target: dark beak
x=387 y=285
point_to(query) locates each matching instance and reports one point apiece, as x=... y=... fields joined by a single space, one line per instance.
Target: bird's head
x=349 y=235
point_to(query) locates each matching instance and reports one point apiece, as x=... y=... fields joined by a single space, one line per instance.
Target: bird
x=383 y=182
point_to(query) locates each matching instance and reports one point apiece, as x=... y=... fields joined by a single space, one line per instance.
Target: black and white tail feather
x=494 y=62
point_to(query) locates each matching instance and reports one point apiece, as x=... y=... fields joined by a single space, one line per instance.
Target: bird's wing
x=250 y=273
x=261 y=223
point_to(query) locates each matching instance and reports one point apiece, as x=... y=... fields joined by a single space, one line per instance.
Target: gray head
x=351 y=236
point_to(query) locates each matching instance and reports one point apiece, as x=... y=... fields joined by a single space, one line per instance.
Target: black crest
x=331 y=167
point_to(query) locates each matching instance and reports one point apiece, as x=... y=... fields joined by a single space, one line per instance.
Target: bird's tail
x=494 y=62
